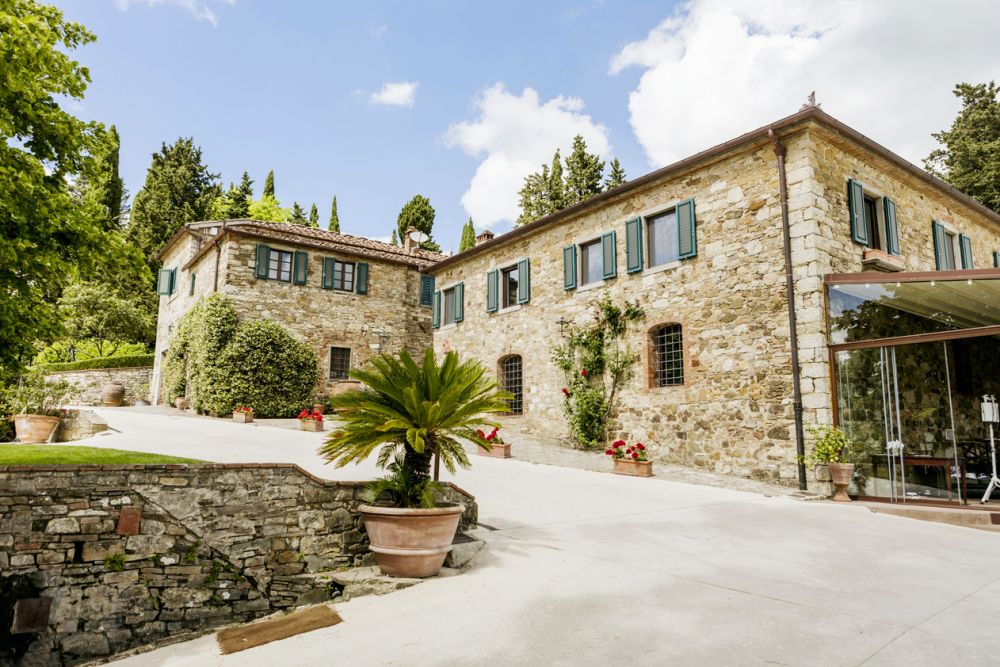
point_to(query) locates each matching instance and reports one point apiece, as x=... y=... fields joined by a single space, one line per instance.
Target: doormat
x=232 y=640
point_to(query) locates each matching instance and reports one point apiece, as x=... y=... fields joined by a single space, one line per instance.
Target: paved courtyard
x=588 y=568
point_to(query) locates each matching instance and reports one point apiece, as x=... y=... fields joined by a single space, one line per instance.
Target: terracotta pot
x=841 y=474
x=141 y=402
x=113 y=394
x=320 y=408
x=633 y=468
x=243 y=417
x=411 y=542
x=310 y=425
x=181 y=403
x=34 y=428
x=498 y=451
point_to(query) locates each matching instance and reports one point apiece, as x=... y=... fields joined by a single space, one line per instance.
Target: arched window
x=666 y=355
x=512 y=380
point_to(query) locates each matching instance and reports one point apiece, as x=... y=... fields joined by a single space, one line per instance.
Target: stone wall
x=733 y=412
x=91 y=382
x=95 y=560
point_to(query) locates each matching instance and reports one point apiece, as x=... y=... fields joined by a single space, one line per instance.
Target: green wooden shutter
x=163 y=281
x=327 y=280
x=491 y=291
x=426 y=290
x=609 y=255
x=523 y=281
x=191 y=286
x=965 y=244
x=569 y=267
x=687 y=234
x=263 y=260
x=361 y=277
x=856 y=204
x=937 y=233
x=459 y=302
x=436 y=317
x=633 y=245
x=996 y=259
x=891 y=227
x=173 y=280
x=300 y=268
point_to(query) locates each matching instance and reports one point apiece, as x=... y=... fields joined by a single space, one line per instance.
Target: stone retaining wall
x=95 y=560
x=90 y=382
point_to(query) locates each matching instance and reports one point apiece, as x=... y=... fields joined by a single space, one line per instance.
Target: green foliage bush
x=131 y=361
x=219 y=362
x=64 y=352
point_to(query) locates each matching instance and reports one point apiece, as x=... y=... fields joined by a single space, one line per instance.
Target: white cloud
x=398 y=94
x=515 y=135
x=198 y=8
x=718 y=68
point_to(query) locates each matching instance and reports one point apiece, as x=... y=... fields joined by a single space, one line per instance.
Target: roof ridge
x=340 y=237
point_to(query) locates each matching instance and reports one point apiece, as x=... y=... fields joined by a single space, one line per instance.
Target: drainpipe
x=218 y=255
x=800 y=448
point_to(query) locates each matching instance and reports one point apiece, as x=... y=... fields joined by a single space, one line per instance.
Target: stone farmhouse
x=798 y=274
x=349 y=297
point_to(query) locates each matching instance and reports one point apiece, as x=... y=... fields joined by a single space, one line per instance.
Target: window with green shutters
x=492 y=290
x=660 y=239
x=300 y=272
x=633 y=245
x=950 y=248
x=687 y=236
x=569 y=267
x=609 y=256
x=343 y=276
x=449 y=306
x=873 y=219
x=965 y=246
x=362 y=282
x=166 y=281
x=523 y=281
x=426 y=290
x=263 y=261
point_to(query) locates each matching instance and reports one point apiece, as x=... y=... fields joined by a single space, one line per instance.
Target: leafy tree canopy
x=298 y=216
x=616 y=177
x=93 y=313
x=969 y=157
x=418 y=213
x=269 y=209
x=583 y=173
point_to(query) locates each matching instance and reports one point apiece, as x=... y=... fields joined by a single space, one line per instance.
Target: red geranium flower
x=640 y=447
x=609 y=452
x=618 y=443
x=584 y=372
x=635 y=455
x=565 y=391
x=480 y=433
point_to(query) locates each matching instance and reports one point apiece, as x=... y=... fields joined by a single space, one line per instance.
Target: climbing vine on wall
x=596 y=363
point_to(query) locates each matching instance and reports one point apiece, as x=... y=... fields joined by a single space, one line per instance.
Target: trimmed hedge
x=131 y=361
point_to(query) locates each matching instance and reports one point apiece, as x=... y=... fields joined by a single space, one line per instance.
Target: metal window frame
x=667 y=355
x=343 y=368
x=512 y=380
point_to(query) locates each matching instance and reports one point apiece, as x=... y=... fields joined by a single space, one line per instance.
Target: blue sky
x=496 y=87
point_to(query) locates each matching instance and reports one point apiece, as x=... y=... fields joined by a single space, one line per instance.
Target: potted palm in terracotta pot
x=412 y=413
x=37 y=404
x=831 y=447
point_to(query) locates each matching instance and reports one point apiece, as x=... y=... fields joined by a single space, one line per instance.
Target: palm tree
x=420 y=410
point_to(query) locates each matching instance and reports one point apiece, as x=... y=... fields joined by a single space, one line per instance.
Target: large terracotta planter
x=841 y=474
x=411 y=542
x=243 y=417
x=633 y=468
x=310 y=425
x=501 y=451
x=113 y=394
x=34 y=428
x=320 y=408
x=181 y=403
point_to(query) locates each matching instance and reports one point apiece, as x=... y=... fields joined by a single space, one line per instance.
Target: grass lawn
x=14 y=455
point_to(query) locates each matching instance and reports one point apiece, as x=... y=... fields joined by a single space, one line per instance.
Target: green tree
x=969 y=157
x=534 y=197
x=556 y=194
x=394 y=240
x=583 y=173
x=178 y=189
x=298 y=215
x=268 y=209
x=334 y=225
x=418 y=213
x=239 y=205
x=468 y=236
x=314 y=217
x=269 y=185
x=49 y=234
x=421 y=410
x=616 y=177
x=105 y=188
x=93 y=313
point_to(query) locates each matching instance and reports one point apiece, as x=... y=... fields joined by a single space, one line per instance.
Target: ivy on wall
x=219 y=362
x=596 y=362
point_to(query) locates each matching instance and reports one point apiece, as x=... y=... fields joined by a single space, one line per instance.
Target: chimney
x=408 y=245
x=484 y=236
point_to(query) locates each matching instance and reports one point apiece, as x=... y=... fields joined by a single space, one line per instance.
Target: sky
x=459 y=101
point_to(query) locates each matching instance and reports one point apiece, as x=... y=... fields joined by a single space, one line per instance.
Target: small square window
x=663 y=238
x=340 y=362
x=280 y=265
x=591 y=263
x=508 y=286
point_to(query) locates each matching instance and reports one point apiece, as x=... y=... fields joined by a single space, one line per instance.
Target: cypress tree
x=104 y=186
x=298 y=215
x=395 y=239
x=314 y=217
x=334 y=225
x=556 y=187
x=616 y=177
x=583 y=173
x=269 y=185
x=239 y=206
x=468 y=239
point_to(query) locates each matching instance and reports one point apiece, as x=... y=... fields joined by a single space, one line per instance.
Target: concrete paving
x=586 y=568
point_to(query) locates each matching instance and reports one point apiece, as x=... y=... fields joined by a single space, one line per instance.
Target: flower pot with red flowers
x=630 y=460
x=310 y=420
x=498 y=448
x=243 y=414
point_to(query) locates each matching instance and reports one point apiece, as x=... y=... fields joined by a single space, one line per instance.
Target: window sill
x=445 y=327
x=669 y=266
x=882 y=261
x=591 y=286
x=508 y=309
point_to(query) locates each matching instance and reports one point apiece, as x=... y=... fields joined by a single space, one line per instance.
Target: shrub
x=132 y=361
x=35 y=395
